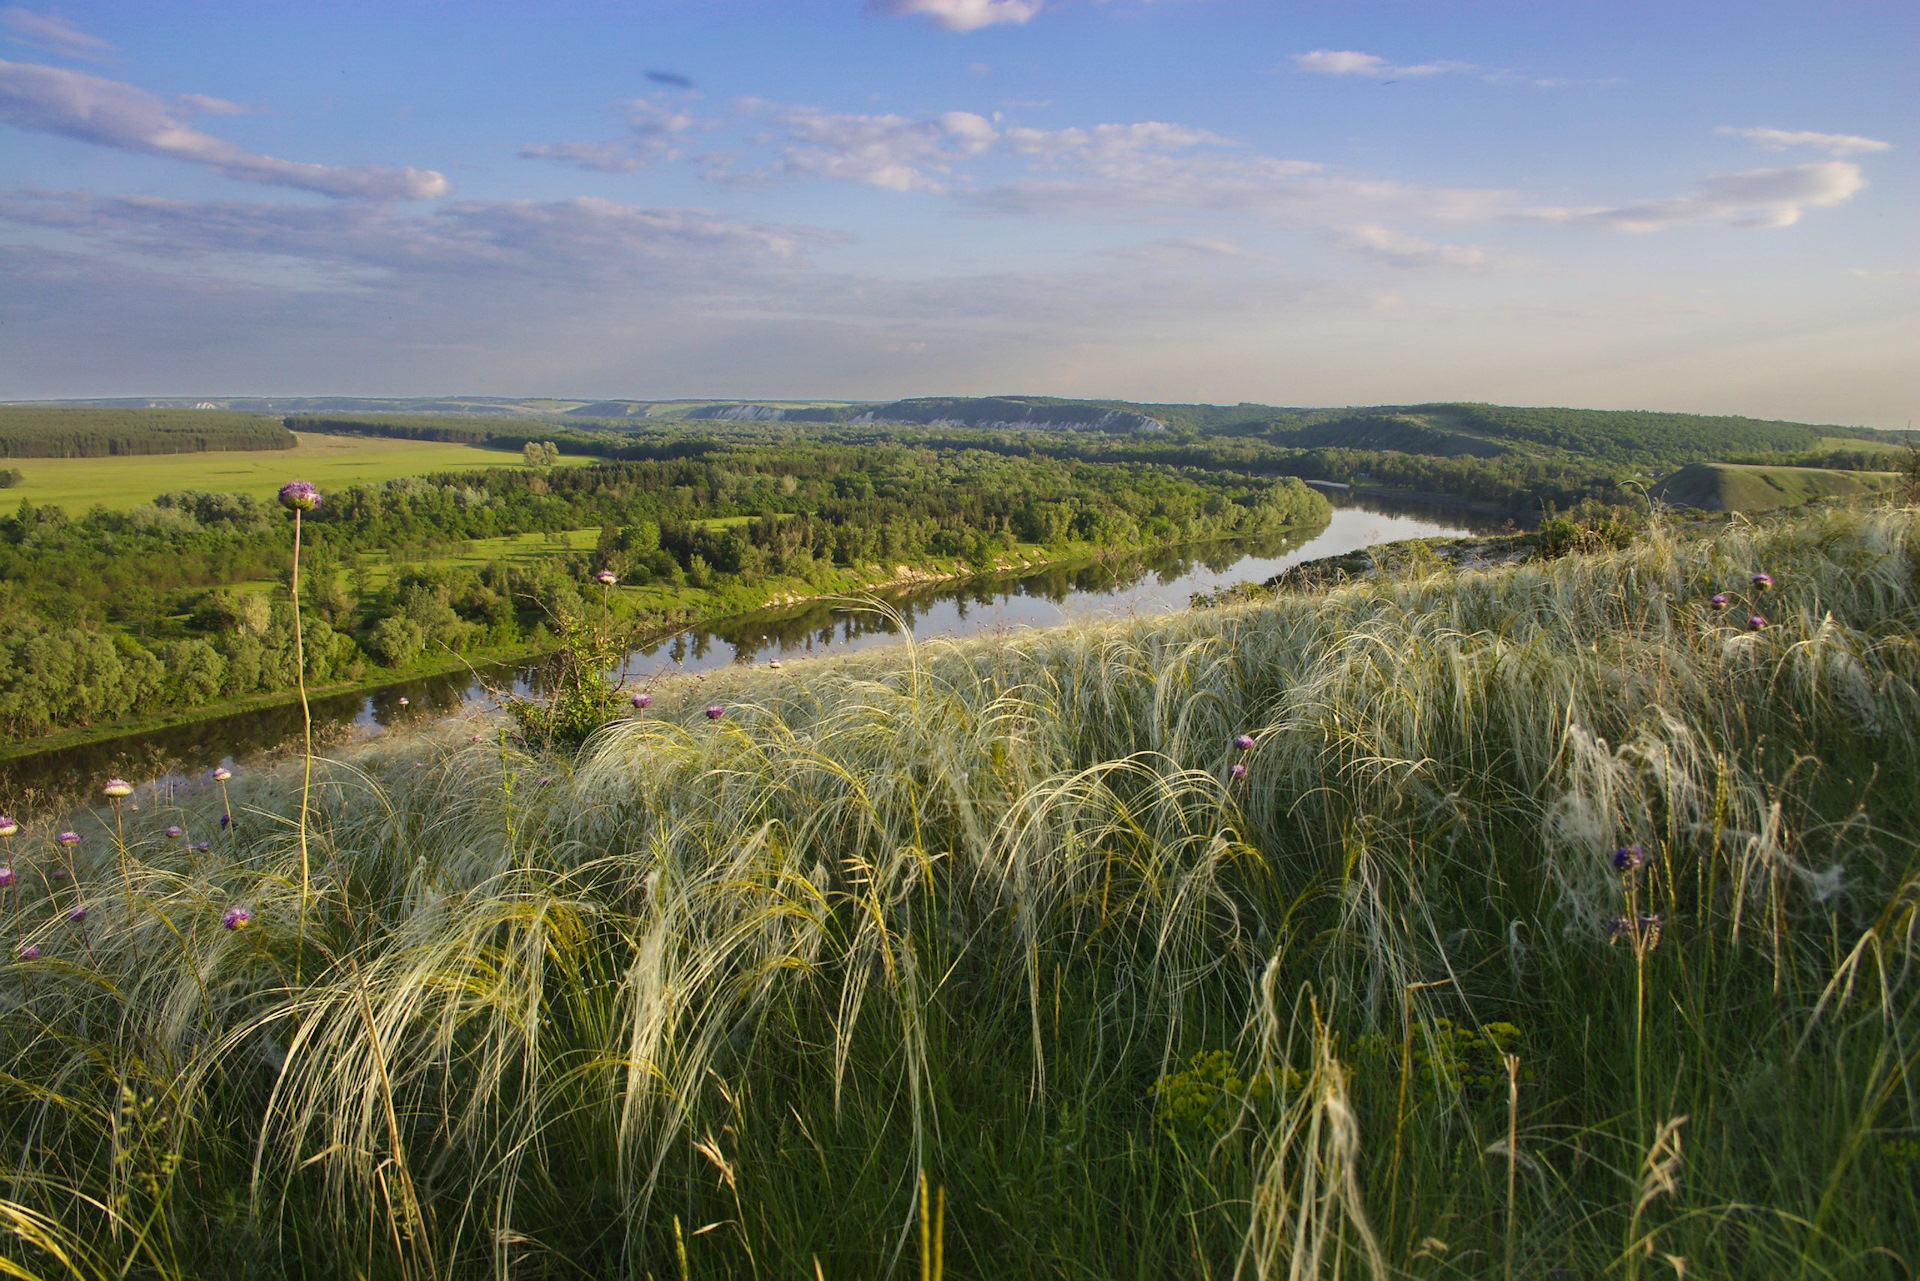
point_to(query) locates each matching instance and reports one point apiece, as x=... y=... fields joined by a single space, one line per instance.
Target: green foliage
x=540 y=453
x=1209 y=1097
x=10 y=476
x=580 y=699
x=30 y=431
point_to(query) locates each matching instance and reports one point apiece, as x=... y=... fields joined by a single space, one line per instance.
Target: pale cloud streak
x=52 y=33
x=961 y=15
x=656 y=131
x=1758 y=198
x=1391 y=248
x=1351 y=62
x=109 y=113
x=1834 y=144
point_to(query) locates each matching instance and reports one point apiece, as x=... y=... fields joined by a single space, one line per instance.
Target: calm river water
x=1151 y=583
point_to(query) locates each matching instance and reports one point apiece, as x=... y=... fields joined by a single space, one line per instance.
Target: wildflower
x=7 y=826
x=68 y=839
x=715 y=712
x=773 y=663
x=203 y=847
x=404 y=700
x=1244 y=742
x=78 y=914
x=1763 y=582
x=299 y=496
x=31 y=952
x=641 y=701
x=117 y=788
x=1239 y=769
x=1756 y=624
x=175 y=832
x=1628 y=857
x=236 y=918
x=606 y=578
x=222 y=774
x=1719 y=600
x=226 y=821
x=7 y=877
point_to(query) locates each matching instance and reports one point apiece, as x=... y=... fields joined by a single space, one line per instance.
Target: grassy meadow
x=1559 y=925
x=330 y=462
x=1753 y=488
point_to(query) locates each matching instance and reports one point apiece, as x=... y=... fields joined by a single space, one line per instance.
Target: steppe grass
x=709 y=1000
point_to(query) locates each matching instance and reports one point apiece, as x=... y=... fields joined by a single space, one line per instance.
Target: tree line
x=36 y=431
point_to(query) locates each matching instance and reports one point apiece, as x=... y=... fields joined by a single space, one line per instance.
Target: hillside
x=1736 y=487
x=1548 y=916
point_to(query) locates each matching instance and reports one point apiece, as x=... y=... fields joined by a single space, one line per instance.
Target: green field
x=330 y=462
x=1745 y=488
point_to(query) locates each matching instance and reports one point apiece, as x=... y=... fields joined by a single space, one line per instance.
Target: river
x=1145 y=583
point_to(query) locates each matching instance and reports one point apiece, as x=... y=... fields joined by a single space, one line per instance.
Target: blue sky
x=1706 y=207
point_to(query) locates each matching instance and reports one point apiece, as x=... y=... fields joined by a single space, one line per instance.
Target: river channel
x=1146 y=583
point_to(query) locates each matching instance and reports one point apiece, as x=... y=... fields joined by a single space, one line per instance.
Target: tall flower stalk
x=298 y=497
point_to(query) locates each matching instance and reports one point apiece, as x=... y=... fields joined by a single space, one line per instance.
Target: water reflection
x=1042 y=597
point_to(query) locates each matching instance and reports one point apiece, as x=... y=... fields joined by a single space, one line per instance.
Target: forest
x=31 y=431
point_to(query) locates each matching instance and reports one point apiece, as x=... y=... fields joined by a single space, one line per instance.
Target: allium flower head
x=1239 y=769
x=236 y=918
x=1756 y=624
x=1628 y=857
x=222 y=774
x=299 y=496
x=203 y=847
x=78 y=914
x=641 y=700
x=1244 y=742
x=175 y=832
x=117 y=788
x=1763 y=582
x=31 y=952
x=404 y=700
x=1719 y=600
x=68 y=839
x=7 y=876
x=715 y=712
x=7 y=826
x=606 y=578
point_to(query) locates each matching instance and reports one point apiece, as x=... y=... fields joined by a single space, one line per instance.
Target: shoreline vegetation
x=1558 y=917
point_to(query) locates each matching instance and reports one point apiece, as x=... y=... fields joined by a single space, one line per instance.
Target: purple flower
x=7 y=877
x=226 y=821
x=78 y=914
x=175 y=832
x=642 y=701
x=1763 y=582
x=773 y=663
x=222 y=774
x=1239 y=769
x=404 y=700
x=236 y=918
x=1756 y=624
x=606 y=578
x=1244 y=742
x=117 y=788
x=31 y=952
x=59 y=873
x=1719 y=600
x=715 y=712
x=202 y=847
x=299 y=496
x=1628 y=857
x=7 y=826
x=68 y=839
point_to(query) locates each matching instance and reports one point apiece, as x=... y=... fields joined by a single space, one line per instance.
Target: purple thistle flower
x=1628 y=857
x=1239 y=769
x=299 y=496
x=641 y=701
x=715 y=712
x=59 y=873
x=7 y=877
x=78 y=914
x=117 y=788
x=606 y=578
x=236 y=918
x=31 y=952
x=203 y=847
x=1763 y=582
x=1719 y=600
x=226 y=821
x=1756 y=624
x=404 y=700
x=175 y=832
x=7 y=826
x=222 y=774
x=1244 y=742
x=68 y=839
x=773 y=663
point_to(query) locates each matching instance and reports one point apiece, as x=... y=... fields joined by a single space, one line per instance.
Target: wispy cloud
x=1886 y=273
x=1834 y=144
x=655 y=132
x=961 y=15
x=901 y=153
x=109 y=113
x=1351 y=62
x=1763 y=198
x=1398 y=249
x=52 y=33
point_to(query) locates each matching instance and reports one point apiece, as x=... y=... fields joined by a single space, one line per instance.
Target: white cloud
x=900 y=153
x=53 y=33
x=962 y=15
x=109 y=113
x=655 y=128
x=1889 y=273
x=1392 y=248
x=1349 y=62
x=1765 y=198
x=1834 y=144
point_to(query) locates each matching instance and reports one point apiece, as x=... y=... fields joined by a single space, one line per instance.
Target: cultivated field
x=330 y=462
